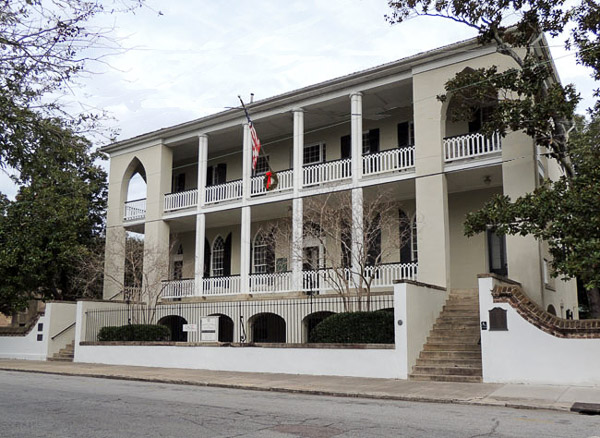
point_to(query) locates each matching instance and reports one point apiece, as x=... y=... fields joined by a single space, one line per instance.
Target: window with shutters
x=178 y=183
x=216 y=174
x=370 y=141
x=406 y=134
x=263 y=255
x=218 y=257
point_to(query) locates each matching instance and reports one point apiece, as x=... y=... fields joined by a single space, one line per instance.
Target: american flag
x=253 y=135
x=255 y=144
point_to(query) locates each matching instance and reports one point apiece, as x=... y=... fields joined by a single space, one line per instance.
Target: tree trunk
x=593 y=296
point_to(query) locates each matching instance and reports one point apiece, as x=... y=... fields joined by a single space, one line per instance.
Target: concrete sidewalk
x=490 y=394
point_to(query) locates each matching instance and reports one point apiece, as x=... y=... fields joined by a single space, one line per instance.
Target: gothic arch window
x=217 y=267
x=263 y=256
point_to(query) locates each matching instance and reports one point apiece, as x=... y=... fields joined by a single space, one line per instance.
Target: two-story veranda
x=205 y=209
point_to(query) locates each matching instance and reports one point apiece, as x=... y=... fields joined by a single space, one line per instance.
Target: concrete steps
x=452 y=352
x=64 y=354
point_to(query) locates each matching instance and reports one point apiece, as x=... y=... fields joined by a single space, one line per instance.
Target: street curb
x=298 y=391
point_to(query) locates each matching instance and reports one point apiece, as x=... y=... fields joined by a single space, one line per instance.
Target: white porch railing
x=271 y=283
x=382 y=276
x=389 y=161
x=221 y=285
x=179 y=200
x=223 y=192
x=471 y=145
x=178 y=288
x=285 y=182
x=327 y=172
x=135 y=210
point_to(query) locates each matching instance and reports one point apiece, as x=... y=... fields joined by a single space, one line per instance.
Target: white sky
x=199 y=55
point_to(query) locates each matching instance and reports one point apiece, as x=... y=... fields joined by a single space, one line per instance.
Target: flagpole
x=251 y=123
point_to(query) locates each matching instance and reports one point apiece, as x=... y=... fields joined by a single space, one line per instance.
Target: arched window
x=263 y=254
x=218 y=257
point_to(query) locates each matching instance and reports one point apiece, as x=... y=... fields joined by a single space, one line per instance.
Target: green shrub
x=135 y=332
x=356 y=328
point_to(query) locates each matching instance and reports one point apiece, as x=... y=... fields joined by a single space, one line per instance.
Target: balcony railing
x=327 y=172
x=381 y=276
x=181 y=200
x=223 y=192
x=285 y=182
x=271 y=283
x=471 y=146
x=135 y=210
x=178 y=288
x=389 y=161
x=221 y=285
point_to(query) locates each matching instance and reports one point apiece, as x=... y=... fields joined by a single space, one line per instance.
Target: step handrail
x=62 y=331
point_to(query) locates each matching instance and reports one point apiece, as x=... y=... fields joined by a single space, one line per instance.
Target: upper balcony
x=473 y=145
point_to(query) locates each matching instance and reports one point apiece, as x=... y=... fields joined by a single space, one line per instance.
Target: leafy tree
x=527 y=98
x=565 y=213
x=57 y=213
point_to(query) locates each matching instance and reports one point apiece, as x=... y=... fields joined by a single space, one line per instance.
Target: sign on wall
x=209 y=329
x=190 y=327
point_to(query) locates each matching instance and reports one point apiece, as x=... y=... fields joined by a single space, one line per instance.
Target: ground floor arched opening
x=225 y=327
x=267 y=327
x=175 y=324
x=311 y=321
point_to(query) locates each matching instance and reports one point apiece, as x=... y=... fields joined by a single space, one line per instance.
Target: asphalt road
x=42 y=405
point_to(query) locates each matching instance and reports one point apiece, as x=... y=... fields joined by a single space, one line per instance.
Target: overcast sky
x=197 y=56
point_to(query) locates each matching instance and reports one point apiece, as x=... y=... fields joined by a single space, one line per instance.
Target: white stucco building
x=205 y=210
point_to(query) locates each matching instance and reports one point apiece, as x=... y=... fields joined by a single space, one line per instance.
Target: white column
x=356 y=135
x=199 y=262
x=202 y=167
x=298 y=148
x=297 y=245
x=245 y=248
x=357 y=229
x=246 y=163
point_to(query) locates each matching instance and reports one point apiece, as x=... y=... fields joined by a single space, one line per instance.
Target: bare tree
x=140 y=284
x=353 y=248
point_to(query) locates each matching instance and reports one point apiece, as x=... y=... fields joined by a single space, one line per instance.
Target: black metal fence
x=278 y=321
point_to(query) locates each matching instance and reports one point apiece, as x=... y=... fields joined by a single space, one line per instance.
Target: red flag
x=255 y=145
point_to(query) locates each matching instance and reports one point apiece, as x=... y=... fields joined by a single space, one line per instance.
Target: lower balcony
x=328 y=280
x=184 y=287
x=322 y=280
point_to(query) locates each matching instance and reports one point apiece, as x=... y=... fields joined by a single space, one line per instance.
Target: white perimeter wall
x=526 y=354
x=27 y=346
x=382 y=363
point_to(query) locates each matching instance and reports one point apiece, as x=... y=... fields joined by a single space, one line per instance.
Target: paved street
x=38 y=405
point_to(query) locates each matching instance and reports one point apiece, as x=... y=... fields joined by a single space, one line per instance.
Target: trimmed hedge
x=135 y=332
x=355 y=328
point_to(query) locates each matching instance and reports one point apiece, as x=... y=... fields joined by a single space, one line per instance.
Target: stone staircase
x=65 y=354
x=453 y=352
